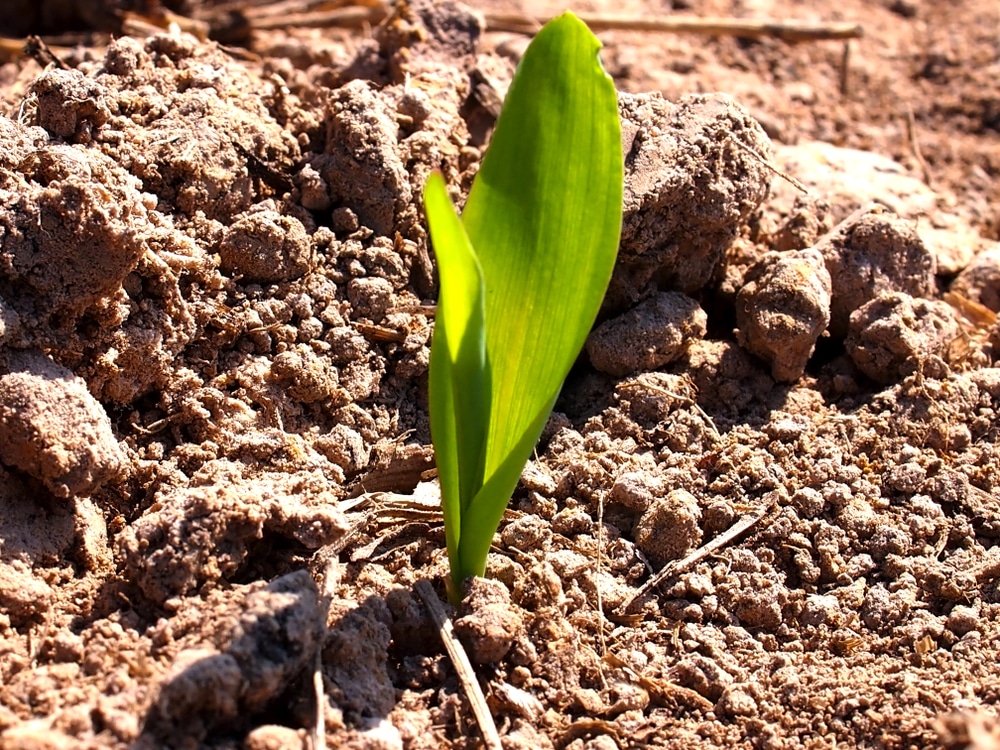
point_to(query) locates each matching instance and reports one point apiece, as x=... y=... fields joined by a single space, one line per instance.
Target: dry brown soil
x=216 y=479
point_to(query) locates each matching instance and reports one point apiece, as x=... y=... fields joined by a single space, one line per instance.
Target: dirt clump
x=669 y=528
x=488 y=624
x=873 y=251
x=650 y=335
x=980 y=280
x=782 y=310
x=688 y=186
x=894 y=335
x=52 y=429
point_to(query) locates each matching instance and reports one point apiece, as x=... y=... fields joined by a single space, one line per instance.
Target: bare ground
x=765 y=513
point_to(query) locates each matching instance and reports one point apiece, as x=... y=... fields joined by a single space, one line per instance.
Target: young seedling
x=522 y=274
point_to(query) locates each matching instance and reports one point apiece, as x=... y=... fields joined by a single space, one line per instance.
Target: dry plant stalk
x=463 y=667
x=358 y=15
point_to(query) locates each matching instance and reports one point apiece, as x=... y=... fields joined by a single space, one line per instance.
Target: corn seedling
x=522 y=275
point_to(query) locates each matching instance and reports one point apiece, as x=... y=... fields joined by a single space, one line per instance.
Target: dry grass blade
x=789 y=31
x=679 y=566
x=353 y=16
x=664 y=692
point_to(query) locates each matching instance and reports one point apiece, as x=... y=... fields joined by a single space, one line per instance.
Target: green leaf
x=459 y=375
x=543 y=218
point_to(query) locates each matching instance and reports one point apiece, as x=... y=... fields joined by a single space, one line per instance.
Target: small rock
x=650 y=336
x=91 y=529
x=783 y=309
x=890 y=336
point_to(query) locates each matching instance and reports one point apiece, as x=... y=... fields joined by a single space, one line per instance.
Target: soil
x=216 y=473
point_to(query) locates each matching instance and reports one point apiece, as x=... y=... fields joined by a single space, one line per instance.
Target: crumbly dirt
x=216 y=478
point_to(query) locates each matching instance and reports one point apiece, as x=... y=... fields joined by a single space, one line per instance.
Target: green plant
x=522 y=276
